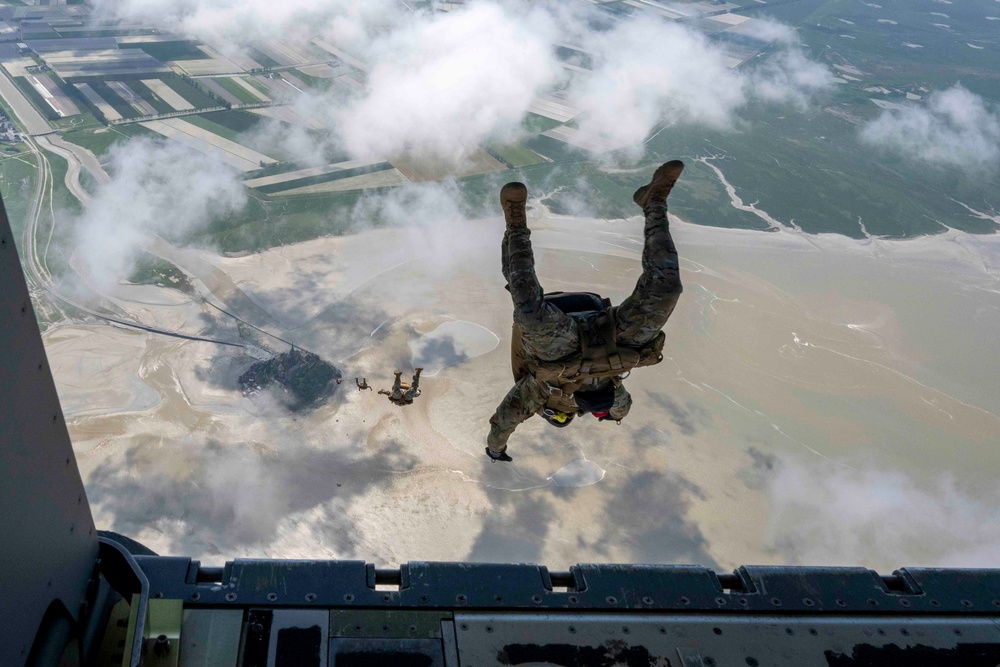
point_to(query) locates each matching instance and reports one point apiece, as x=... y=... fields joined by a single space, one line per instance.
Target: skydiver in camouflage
x=403 y=393
x=569 y=360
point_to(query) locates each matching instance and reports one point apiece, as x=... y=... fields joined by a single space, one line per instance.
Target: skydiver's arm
x=623 y=403
x=524 y=399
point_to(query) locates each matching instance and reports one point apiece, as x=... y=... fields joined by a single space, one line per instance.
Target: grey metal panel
x=715 y=640
x=49 y=544
x=211 y=637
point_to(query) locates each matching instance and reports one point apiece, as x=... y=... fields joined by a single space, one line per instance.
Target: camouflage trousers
x=551 y=334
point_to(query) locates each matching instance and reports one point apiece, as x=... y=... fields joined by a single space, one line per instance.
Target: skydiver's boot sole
x=503 y=457
x=659 y=187
x=513 y=198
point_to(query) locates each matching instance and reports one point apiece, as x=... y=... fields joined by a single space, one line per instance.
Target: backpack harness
x=605 y=360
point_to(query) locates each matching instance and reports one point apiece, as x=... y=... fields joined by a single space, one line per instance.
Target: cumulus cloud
x=880 y=518
x=157 y=187
x=955 y=128
x=442 y=83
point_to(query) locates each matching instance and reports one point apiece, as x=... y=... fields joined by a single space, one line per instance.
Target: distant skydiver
x=571 y=351
x=363 y=385
x=403 y=393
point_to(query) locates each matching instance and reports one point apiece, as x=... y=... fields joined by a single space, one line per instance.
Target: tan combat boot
x=513 y=197
x=659 y=187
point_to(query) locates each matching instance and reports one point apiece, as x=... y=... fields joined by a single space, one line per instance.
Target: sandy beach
x=823 y=400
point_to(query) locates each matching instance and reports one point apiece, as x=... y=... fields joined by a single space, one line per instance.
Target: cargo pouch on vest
x=604 y=361
x=596 y=362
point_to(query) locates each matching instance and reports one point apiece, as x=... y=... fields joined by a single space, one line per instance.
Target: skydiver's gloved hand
x=502 y=456
x=603 y=416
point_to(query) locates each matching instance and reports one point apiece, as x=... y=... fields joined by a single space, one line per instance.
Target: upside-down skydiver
x=571 y=352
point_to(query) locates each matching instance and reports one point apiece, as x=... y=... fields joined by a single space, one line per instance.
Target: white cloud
x=884 y=519
x=156 y=187
x=442 y=83
x=955 y=128
x=646 y=67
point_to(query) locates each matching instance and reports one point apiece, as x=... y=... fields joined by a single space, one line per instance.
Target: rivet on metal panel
x=498 y=598
x=813 y=631
x=881 y=632
x=935 y=603
x=573 y=599
x=158 y=596
x=958 y=632
x=841 y=603
x=717 y=631
x=464 y=626
x=349 y=598
x=537 y=599
x=904 y=632
x=195 y=596
x=808 y=602
x=663 y=631
x=611 y=599
x=776 y=602
x=967 y=604
x=489 y=628
x=572 y=630
x=789 y=632
x=461 y=598
x=720 y=601
x=685 y=601
x=310 y=597
x=626 y=630
x=272 y=596
x=387 y=597
x=424 y=598
x=647 y=600
x=873 y=602
x=744 y=602
x=903 y=602
x=230 y=597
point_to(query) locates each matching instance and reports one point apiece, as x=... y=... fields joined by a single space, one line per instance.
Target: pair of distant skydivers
x=402 y=393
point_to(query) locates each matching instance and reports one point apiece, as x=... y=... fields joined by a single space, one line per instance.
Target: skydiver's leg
x=548 y=332
x=642 y=315
x=414 y=389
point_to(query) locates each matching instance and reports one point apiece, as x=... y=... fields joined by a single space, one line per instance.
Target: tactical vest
x=591 y=362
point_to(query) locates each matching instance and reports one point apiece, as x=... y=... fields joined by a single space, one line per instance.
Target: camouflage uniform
x=550 y=334
x=403 y=393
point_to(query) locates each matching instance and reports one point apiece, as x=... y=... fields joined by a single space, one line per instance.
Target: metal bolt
x=310 y=597
x=611 y=599
x=272 y=596
x=230 y=597
x=196 y=596
x=349 y=598
x=537 y=599
x=162 y=646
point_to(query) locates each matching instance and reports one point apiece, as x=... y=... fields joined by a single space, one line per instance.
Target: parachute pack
x=604 y=360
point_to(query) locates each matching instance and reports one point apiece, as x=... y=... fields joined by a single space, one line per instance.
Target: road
x=32 y=121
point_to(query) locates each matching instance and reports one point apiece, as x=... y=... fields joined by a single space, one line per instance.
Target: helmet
x=557 y=418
